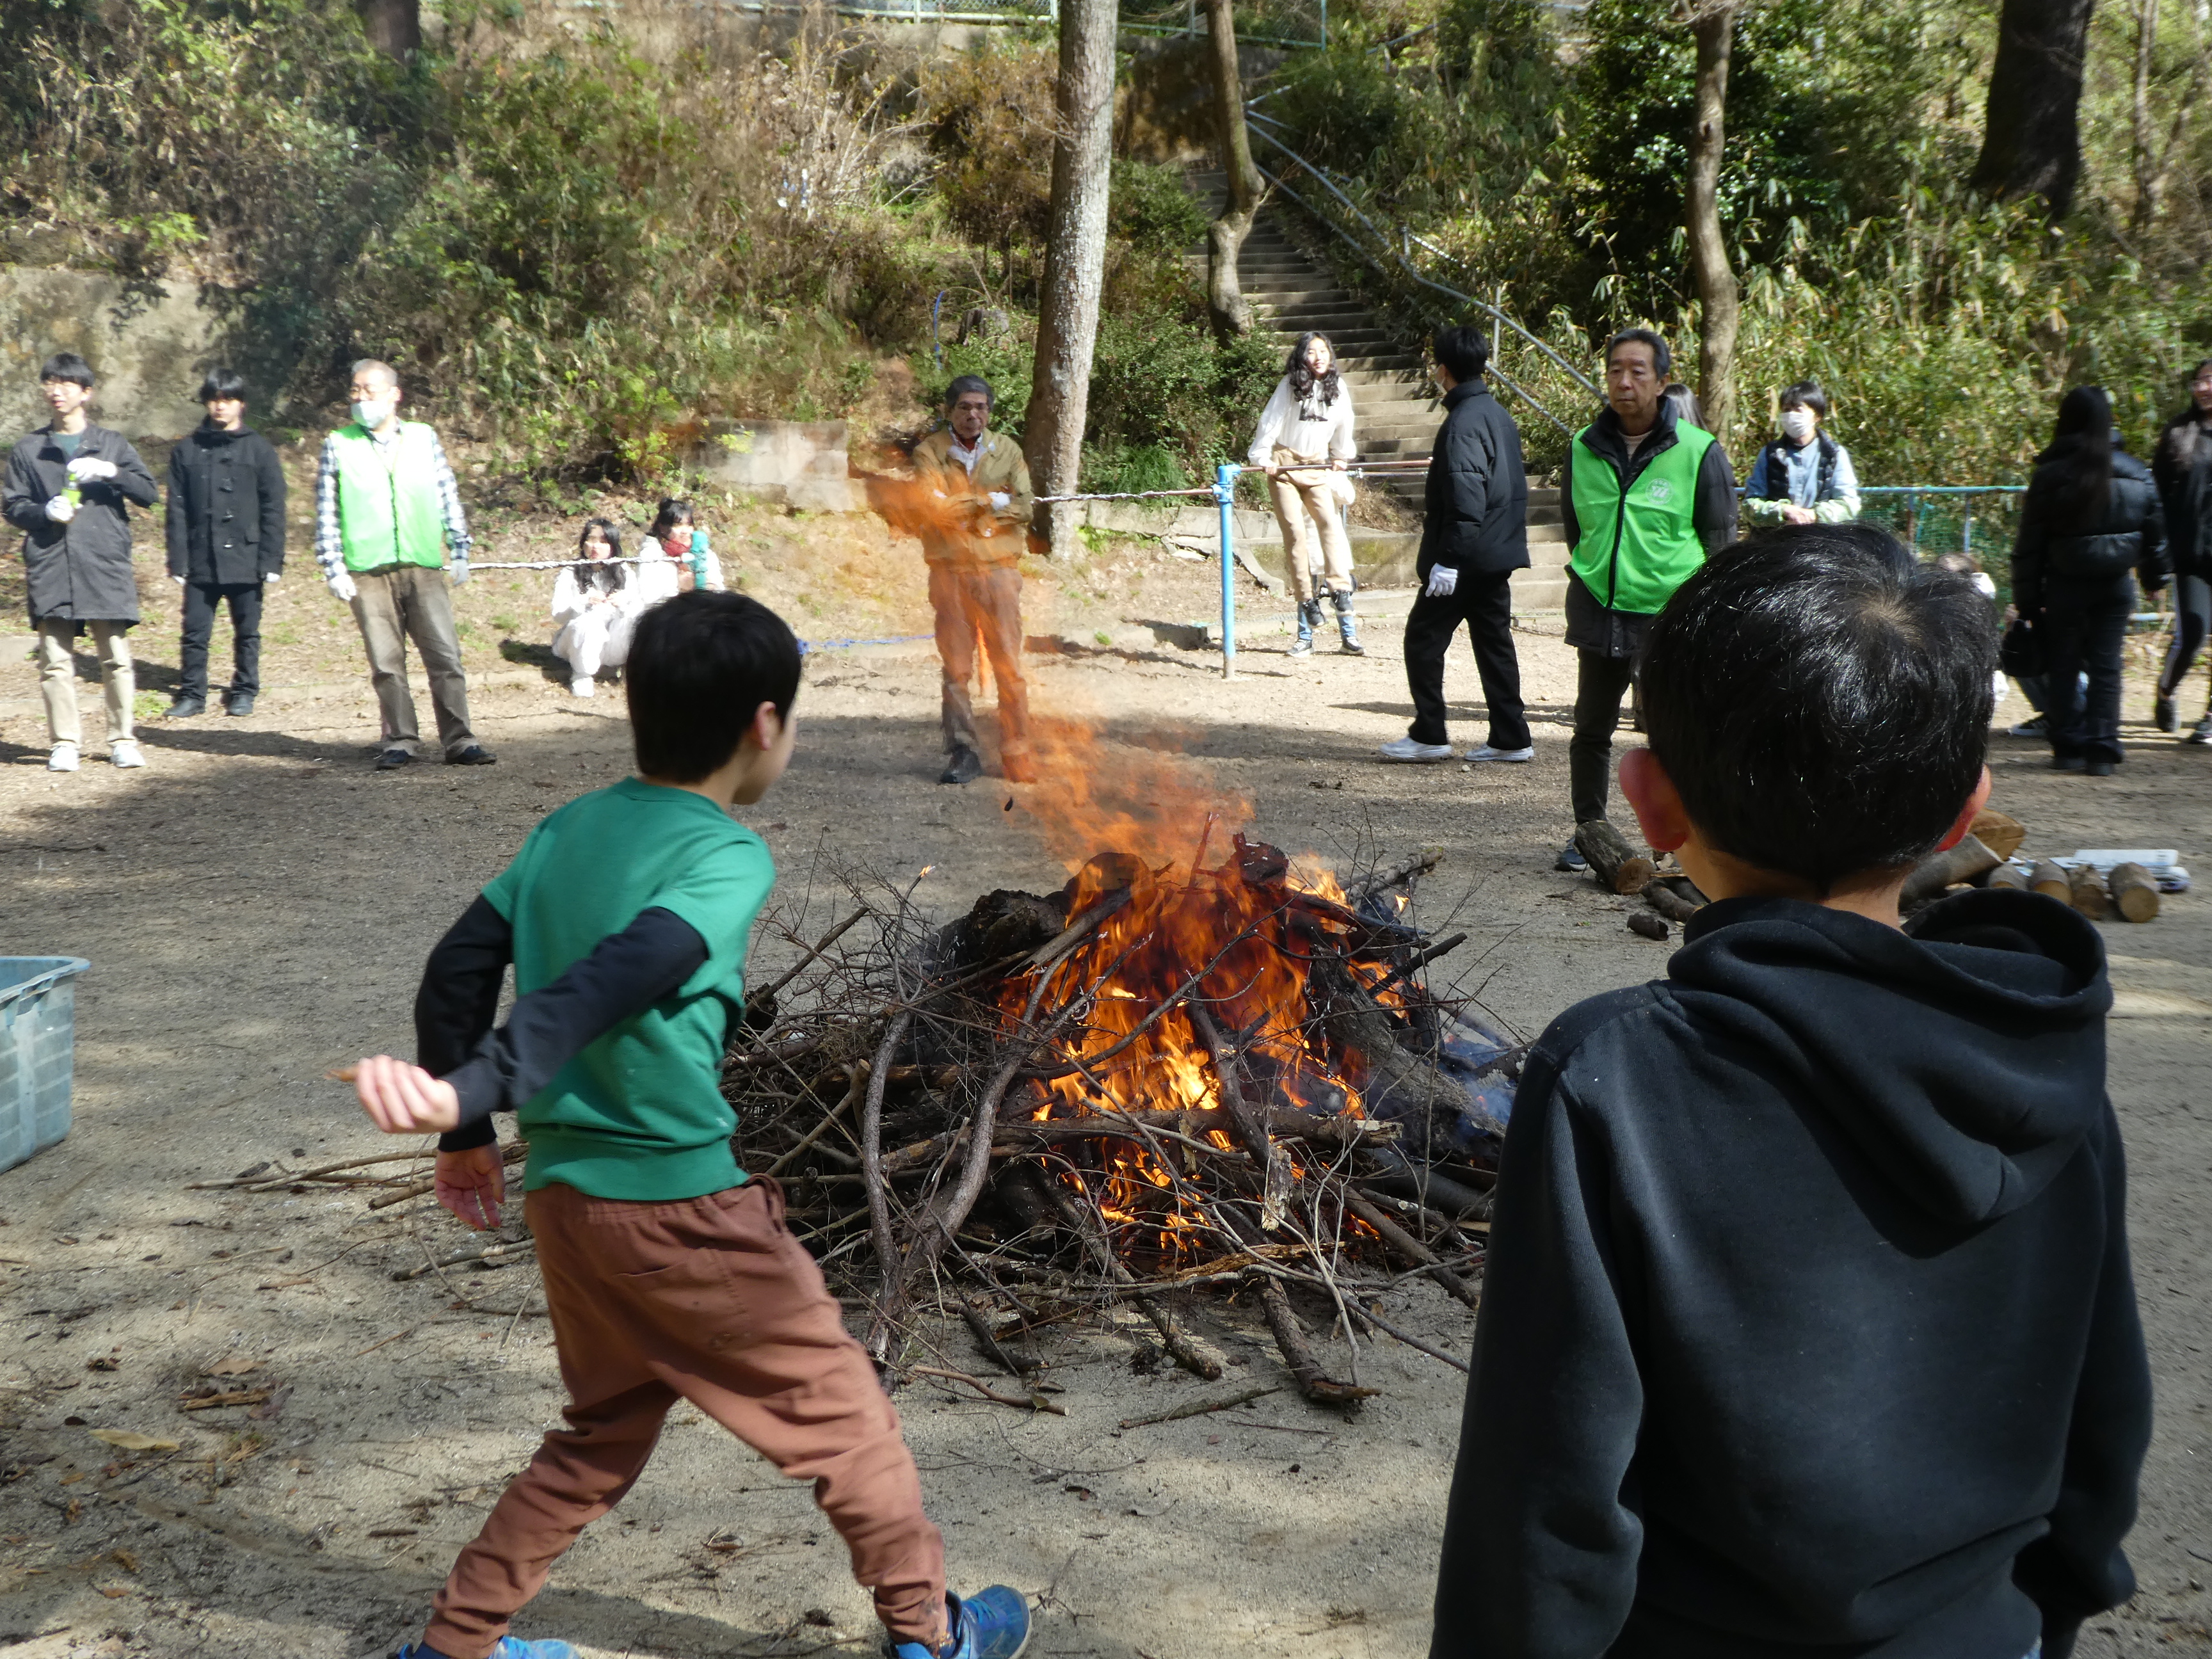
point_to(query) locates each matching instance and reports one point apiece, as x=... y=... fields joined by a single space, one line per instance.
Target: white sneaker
x=1405 y=749
x=125 y=752
x=583 y=686
x=1483 y=752
x=63 y=759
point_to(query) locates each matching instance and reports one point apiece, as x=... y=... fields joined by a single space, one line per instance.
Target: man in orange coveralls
x=972 y=507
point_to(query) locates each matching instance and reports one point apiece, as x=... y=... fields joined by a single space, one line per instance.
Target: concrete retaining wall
x=150 y=344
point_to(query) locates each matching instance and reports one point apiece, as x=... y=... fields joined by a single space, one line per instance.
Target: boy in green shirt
x=668 y=1273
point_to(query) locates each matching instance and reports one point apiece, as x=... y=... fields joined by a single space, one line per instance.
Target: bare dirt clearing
x=256 y=906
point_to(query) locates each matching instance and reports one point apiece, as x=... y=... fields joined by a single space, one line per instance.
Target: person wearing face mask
x=69 y=488
x=226 y=532
x=1304 y=440
x=2182 y=465
x=386 y=512
x=1803 y=477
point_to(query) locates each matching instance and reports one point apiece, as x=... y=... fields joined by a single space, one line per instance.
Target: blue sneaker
x=510 y=1647
x=992 y=1624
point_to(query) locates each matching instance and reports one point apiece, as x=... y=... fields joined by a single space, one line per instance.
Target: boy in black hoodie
x=1808 y=1326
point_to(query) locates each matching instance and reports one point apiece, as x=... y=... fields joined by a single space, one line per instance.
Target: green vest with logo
x=1635 y=551
x=389 y=514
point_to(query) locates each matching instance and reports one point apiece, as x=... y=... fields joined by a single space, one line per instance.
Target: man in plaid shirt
x=386 y=512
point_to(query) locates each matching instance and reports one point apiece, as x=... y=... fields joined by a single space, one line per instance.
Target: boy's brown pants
x=710 y=1300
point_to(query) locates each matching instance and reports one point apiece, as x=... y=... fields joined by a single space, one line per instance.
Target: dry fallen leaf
x=235 y=1366
x=125 y=1559
x=125 y=1440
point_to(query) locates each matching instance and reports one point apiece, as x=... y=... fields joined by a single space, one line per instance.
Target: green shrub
x=1152 y=211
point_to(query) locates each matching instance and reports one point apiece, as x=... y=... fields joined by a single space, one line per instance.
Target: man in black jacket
x=1475 y=535
x=1809 y=1326
x=69 y=487
x=225 y=526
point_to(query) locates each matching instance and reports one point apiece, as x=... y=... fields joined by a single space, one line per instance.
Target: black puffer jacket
x=225 y=508
x=2130 y=534
x=2182 y=467
x=1476 y=512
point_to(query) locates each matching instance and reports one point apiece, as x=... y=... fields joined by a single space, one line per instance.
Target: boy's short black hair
x=1462 y=351
x=699 y=667
x=1822 y=700
x=1663 y=360
x=222 y=383
x=66 y=366
x=964 y=384
x=1806 y=394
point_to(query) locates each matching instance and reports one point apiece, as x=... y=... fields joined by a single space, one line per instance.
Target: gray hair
x=379 y=368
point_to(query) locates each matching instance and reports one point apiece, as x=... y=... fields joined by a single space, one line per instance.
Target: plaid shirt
x=329 y=540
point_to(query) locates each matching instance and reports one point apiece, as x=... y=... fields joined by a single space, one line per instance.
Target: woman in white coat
x=595 y=602
x=1305 y=437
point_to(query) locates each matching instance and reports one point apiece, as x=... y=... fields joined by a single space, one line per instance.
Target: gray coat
x=80 y=571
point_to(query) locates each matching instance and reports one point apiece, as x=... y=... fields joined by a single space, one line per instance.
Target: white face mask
x=372 y=413
x=1798 y=424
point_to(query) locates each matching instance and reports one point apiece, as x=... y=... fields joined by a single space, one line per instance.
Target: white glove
x=90 y=466
x=274 y=577
x=1443 y=580
x=1000 y=500
x=459 y=570
x=180 y=581
x=61 y=509
x=340 y=582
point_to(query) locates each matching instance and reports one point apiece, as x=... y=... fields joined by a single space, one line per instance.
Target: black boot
x=965 y=765
x=185 y=707
x=1348 y=625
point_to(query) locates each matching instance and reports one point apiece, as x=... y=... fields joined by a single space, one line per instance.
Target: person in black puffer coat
x=226 y=541
x=2182 y=467
x=2091 y=523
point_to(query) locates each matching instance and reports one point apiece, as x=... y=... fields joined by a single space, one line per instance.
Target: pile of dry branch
x=1153 y=1080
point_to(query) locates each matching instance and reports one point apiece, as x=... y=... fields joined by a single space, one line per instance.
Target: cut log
x=2134 y=893
x=1667 y=903
x=1651 y=926
x=2050 y=880
x=1612 y=860
x=2089 y=893
x=2001 y=834
x=1969 y=859
x=2009 y=875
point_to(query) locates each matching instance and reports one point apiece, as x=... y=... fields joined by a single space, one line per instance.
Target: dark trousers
x=1485 y=604
x=2192 y=616
x=1600 y=682
x=202 y=600
x=2084 y=623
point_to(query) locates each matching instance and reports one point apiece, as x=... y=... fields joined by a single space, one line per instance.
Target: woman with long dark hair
x=2090 y=524
x=1305 y=437
x=596 y=600
x=2182 y=467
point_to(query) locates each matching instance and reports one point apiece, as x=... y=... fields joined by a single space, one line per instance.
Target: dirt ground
x=256 y=906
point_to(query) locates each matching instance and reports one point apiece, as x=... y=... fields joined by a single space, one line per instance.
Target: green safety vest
x=1636 y=550
x=389 y=515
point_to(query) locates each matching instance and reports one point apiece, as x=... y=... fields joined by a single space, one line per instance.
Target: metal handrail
x=1583 y=379
x=1492 y=371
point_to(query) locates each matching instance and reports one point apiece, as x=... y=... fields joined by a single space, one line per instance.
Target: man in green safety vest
x=1645 y=499
x=386 y=512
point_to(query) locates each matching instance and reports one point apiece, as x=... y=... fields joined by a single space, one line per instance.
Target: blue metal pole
x=1966 y=525
x=1225 y=493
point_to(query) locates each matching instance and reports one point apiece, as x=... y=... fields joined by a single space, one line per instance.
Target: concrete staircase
x=1394 y=420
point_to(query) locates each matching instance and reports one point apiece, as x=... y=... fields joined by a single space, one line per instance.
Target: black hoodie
x=1809 y=1326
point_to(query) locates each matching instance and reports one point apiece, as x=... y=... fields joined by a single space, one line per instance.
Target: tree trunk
x=1074 y=257
x=1720 y=301
x=2032 y=138
x=2150 y=170
x=1225 y=238
x=394 y=27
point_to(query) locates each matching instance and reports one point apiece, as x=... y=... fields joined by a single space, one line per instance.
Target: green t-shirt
x=639 y=1114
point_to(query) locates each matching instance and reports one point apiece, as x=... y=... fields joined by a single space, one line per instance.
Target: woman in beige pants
x=1304 y=439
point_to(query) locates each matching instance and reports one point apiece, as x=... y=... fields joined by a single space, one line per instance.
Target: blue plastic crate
x=38 y=1052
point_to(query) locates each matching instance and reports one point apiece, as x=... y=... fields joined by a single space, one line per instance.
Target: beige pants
x=1296 y=495
x=413 y=602
x=118 y=678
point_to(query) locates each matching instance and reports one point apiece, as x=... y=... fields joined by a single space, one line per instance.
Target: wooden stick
x=2088 y=893
x=1404 y=871
x=1612 y=860
x=856 y=1083
x=1202 y=1408
x=1410 y=1247
x=980 y=1328
x=1370 y=1317
x=2135 y=894
x=1317 y=1385
x=1938 y=870
x=872 y=1169
x=474 y=1253
x=215 y=1402
x=1194 y=1355
x=815 y=951
x=1035 y=1403
x=516 y=1152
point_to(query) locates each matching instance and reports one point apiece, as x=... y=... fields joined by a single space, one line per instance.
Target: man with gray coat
x=1475 y=535
x=68 y=489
